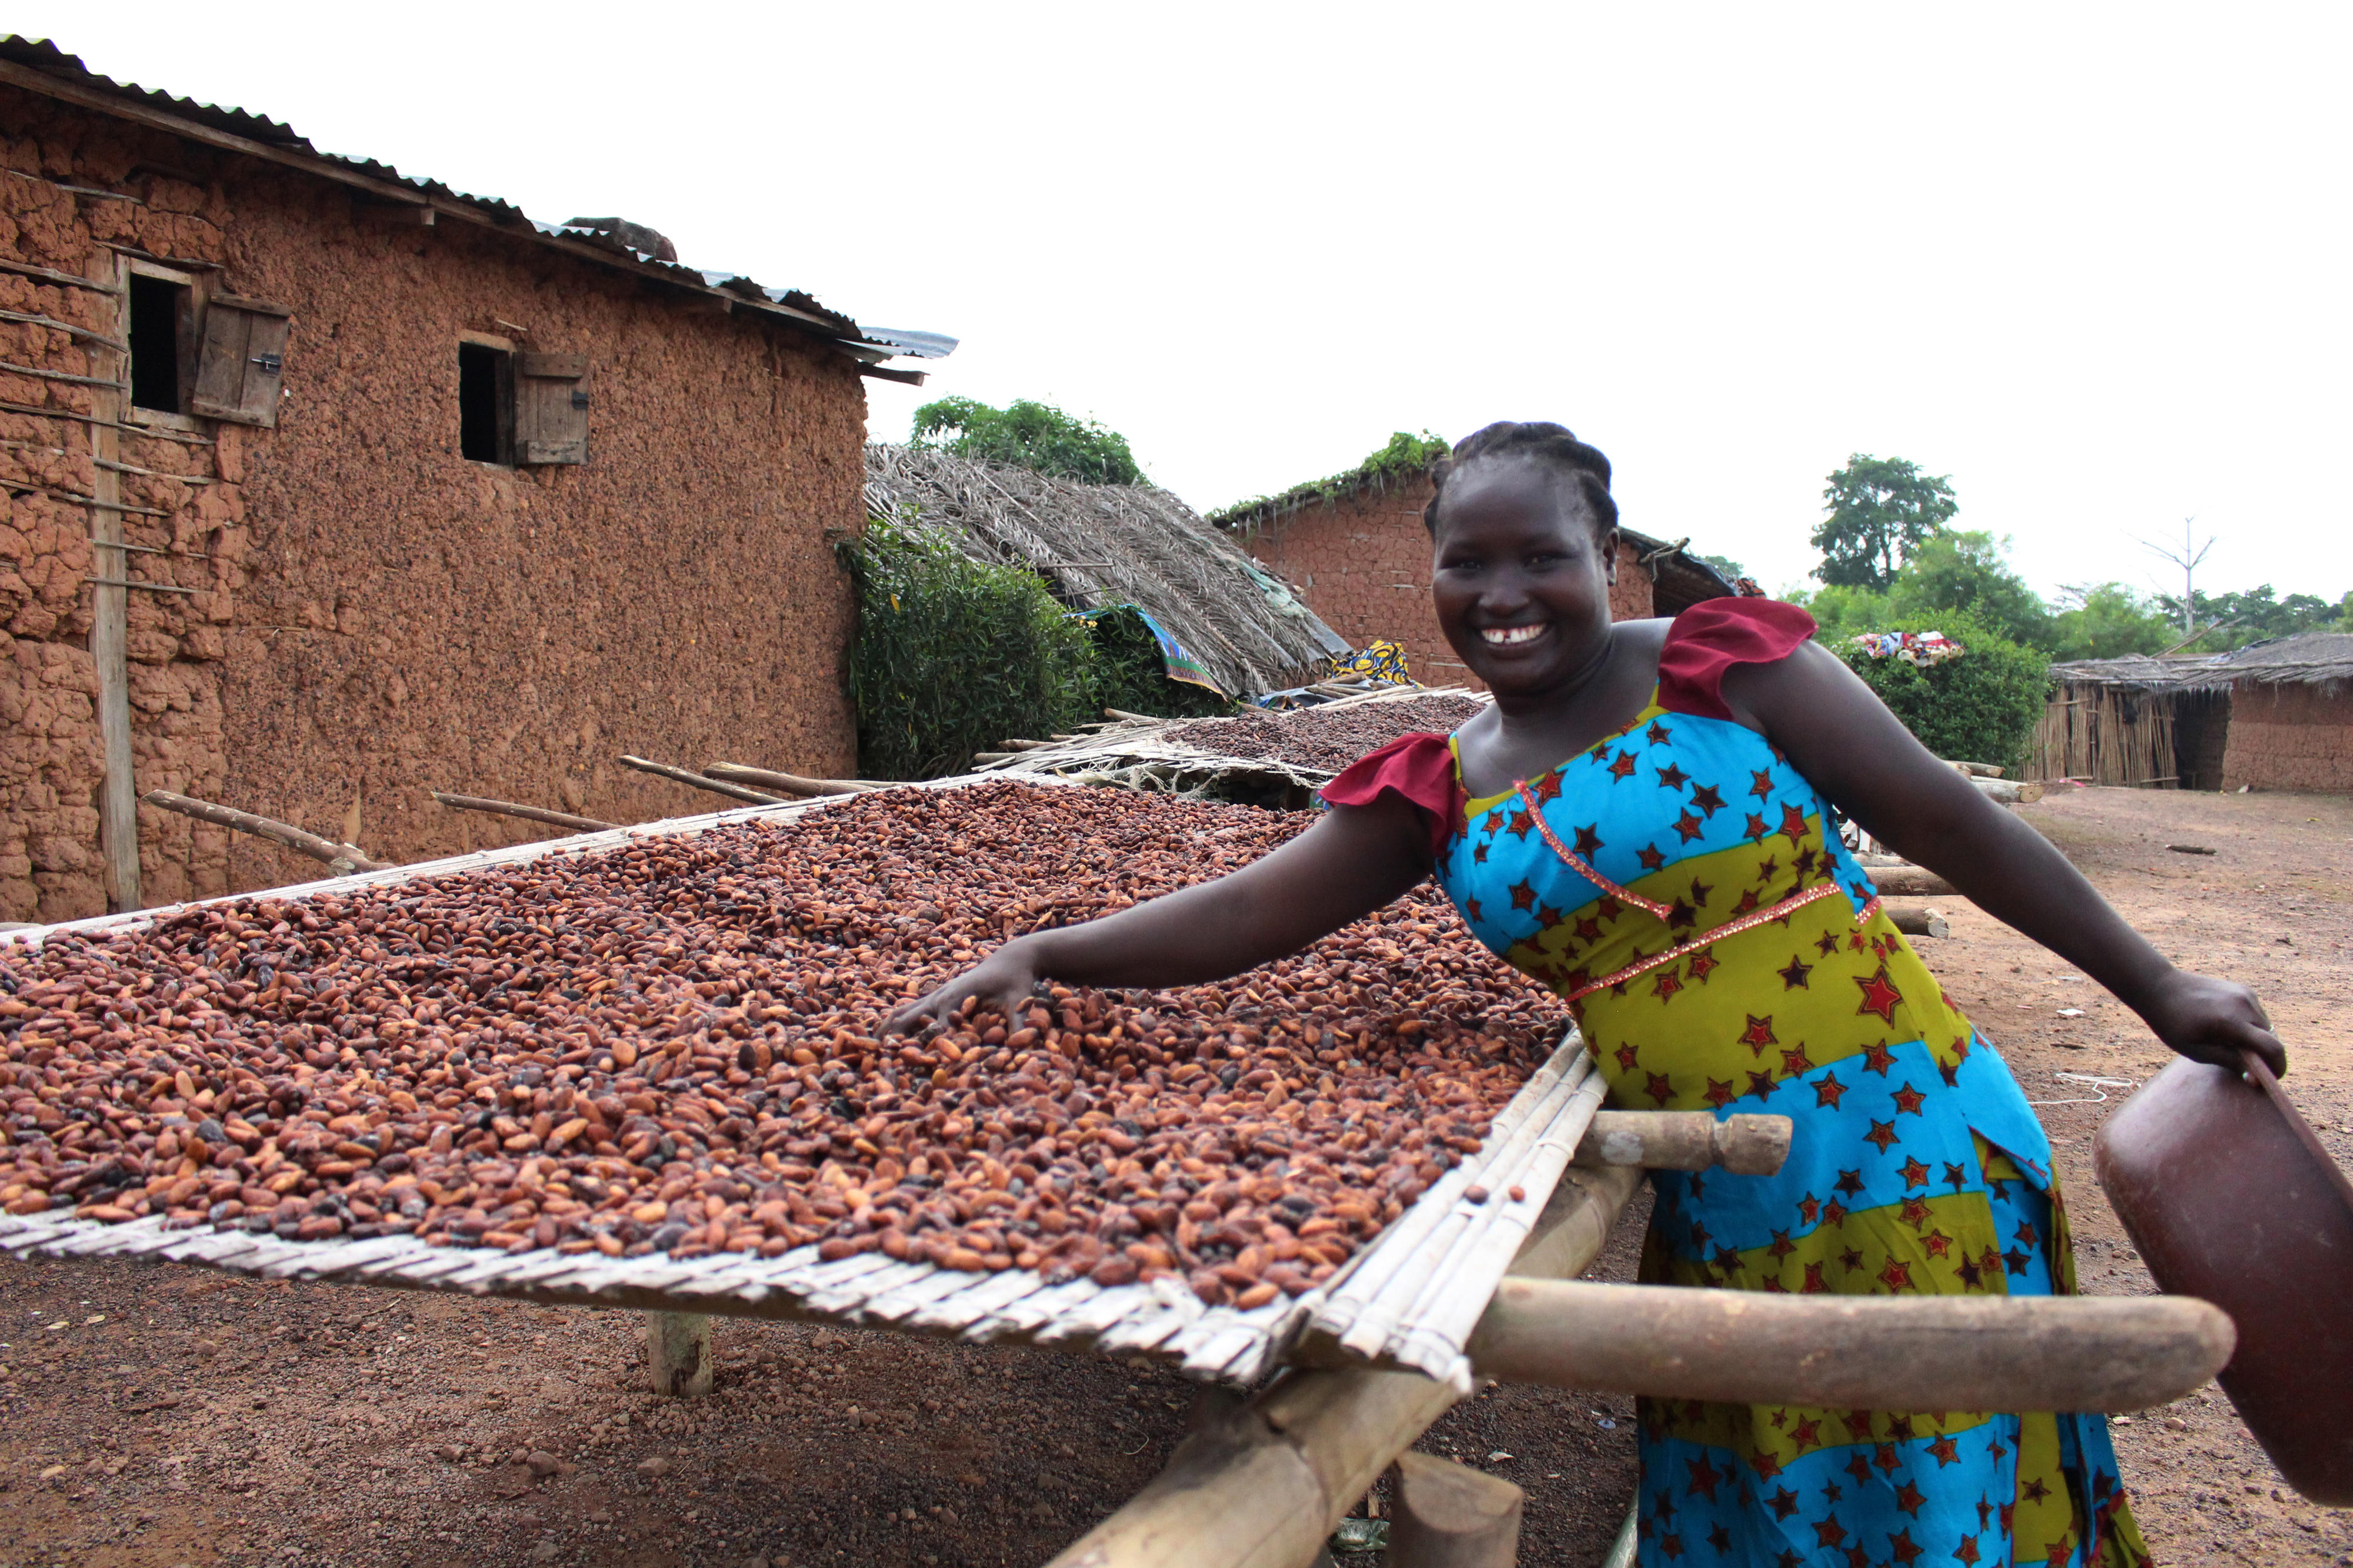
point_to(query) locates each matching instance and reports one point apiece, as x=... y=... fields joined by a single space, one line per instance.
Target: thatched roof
x=2308 y=657
x=1098 y=545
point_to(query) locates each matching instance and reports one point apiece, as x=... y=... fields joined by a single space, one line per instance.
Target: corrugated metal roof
x=44 y=56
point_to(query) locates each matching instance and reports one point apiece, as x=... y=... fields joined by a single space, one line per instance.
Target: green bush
x=1979 y=708
x=1028 y=435
x=1131 y=675
x=955 y=656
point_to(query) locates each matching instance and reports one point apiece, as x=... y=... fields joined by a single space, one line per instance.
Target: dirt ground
x=163 y=1417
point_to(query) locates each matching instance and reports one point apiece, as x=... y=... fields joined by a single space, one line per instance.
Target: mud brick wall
x=1362 y=562
x=2292 y=737
x=377 y=615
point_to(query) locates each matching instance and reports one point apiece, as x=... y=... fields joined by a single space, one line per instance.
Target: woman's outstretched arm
x=1837 y=734
x=1352 y=861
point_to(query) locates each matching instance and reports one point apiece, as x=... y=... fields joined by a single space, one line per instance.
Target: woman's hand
x=1004 y=980
x=2211 y=1020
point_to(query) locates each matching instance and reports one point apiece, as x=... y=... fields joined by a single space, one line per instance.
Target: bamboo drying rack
x=1409 y=1300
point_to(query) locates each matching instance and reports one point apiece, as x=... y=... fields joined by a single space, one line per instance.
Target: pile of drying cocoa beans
x=672 y=1046
x=1326 y=738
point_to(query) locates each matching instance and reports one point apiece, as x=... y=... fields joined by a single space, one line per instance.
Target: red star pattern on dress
x=1708 y=799
x=1757 y=829
x=1705 y=1478
x=1826 y=946
x=1879 y=996
x=1626 y=1057
x=1915 y=1174
x=1761 y=783
x=1955 y=1177
x=1661 y=1088
x=1938 y=1243
x=1608 y=909
x=1878 y=1058
x=1914 y=1212
x=1815 y=1284
x=1524 y=896
x=1548 y=788
x=1588 y=841
x=1944 y=1451
x=1793 y=824
x=1781 y=1246
x=1748 y=900
x=1909 y=1498
x=1470 y=908
x=1657 y=733
x=1665 y=985
x=1588 y=929
x=1650 y=856
x=1690 y=826
x=1761 y=1084
x=1966 y=1554
x=1703 y=964
x=1881 y=1135
x=1907 y=1551
x=1680 y=914
x=1908 y=1101
x=1672 y=777
x=1623 y=767
x=1794 y=977
x=1896 y=1276
x=1828 y=1090
x=1478 y=854
x=1523 y=823
x=1759 y=1033
x=1834 y=1213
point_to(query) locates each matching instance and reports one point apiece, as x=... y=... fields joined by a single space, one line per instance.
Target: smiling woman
x=1645 y=820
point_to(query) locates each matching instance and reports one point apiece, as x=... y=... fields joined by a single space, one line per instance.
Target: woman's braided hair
x=1541 y=442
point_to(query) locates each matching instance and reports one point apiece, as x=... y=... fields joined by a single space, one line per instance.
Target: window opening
x=485 y=403
x=159 y=332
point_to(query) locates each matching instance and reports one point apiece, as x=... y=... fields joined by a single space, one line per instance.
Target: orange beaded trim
x=1730 y=928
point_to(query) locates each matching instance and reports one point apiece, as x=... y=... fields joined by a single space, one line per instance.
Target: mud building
x=328 y=486
x=1354 y=547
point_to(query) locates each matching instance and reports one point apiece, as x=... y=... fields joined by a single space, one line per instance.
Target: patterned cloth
x=1380 y=659
x=1683 y=888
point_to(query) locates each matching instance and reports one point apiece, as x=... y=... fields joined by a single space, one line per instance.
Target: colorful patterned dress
x=1683 y=889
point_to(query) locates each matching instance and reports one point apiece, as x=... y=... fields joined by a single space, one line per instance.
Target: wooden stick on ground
x=529 y=812
x=1917 y=919
x=680 y=775
x=341 y=859
x=1909 y=882
x=1854 y=1352
x=1127 y=717
x=790 y=783
x=1263 y=1486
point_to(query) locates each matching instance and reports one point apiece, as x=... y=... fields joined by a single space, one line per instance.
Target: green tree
x=1731 y=570
x=2253 y=615
x=1026 y=434
x=1955 y=571
x=1881 y=511
x=2108 y=620
x=1979 y=708
x=1843 y=611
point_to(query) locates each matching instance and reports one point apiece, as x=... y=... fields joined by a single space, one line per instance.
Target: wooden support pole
x=683 y=775
x=678 y=1353
x=1451 y=1516
x=1746 y=1144
x=1263 y=1486
x=789 y=783
x=1909 y=882
x=1854 y=1352
x=110 y=626
x=342 y=859
x=1127 y=717
x=1917 y=919
x=529 y=812
x=2007 y=792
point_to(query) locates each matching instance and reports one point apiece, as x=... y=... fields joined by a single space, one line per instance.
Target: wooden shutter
x=241 y=365
x=550 y=408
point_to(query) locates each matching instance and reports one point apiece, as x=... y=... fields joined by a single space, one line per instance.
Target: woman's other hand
x=1005 y=980
x=2211 y=1020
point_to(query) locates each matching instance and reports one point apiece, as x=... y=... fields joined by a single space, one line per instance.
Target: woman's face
x=1520 y=584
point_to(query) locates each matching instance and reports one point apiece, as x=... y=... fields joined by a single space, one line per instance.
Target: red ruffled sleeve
x=1420 y=767
x=1711 y=637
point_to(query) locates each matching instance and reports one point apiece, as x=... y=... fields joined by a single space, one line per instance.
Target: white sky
x=2090 y=261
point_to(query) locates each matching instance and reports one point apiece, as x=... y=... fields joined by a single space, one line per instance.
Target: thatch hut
x=2274 y=716
x=1100 y=545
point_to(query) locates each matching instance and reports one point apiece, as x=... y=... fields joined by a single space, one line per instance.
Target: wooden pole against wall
x=110 y=631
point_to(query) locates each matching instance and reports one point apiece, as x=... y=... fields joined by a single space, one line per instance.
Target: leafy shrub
x=1026 y=434
x=954 y=656
x=1979 y=708
x=1129 y=674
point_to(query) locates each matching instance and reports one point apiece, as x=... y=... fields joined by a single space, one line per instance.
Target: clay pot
x=2231 y=1198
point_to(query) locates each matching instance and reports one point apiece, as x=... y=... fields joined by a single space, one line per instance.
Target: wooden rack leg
x=1263 y=1486
x=678 y=1353
x=1451 y=1516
